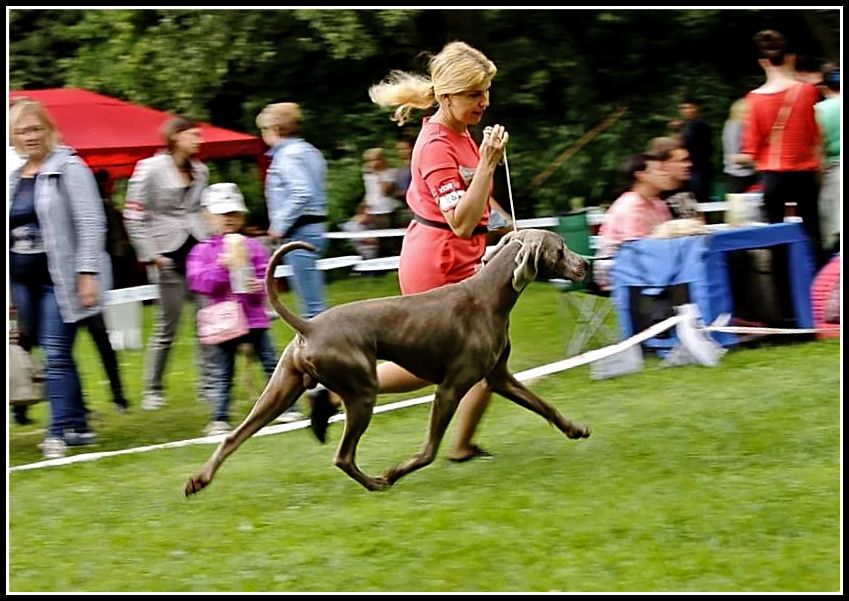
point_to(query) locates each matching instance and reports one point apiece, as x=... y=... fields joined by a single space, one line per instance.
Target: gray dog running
x=454 y=336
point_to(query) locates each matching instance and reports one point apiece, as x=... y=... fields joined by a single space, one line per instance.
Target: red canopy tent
x=113 y=135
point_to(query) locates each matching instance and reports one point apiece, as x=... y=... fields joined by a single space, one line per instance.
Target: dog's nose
x=583 y=270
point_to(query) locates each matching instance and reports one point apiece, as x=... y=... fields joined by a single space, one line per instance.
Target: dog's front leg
x=283 y=388
x=445 y=402
x=502 y=382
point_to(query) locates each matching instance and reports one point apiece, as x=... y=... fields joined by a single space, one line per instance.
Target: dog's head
x=543 y=255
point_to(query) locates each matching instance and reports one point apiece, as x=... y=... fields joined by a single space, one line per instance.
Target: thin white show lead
x=510 y=191
x=486 y=132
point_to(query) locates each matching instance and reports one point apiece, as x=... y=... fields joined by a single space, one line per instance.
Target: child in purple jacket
x=213 y=269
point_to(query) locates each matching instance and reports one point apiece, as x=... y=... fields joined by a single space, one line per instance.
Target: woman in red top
x=781 y=136
x=449 y=196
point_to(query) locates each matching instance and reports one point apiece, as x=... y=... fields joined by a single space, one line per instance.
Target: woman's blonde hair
x=26 y=106
x=284 y=117
x=457 y=68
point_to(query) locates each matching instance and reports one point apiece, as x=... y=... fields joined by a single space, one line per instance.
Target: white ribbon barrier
x=130 y=295
x=122 y=312
x=759 y=330
x=704 y=349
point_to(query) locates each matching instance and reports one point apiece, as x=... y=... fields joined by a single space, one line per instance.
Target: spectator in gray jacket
x=164 y=219
x=58 y=265
x=738 y=177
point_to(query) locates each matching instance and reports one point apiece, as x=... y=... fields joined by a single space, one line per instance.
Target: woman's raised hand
x=495 y=139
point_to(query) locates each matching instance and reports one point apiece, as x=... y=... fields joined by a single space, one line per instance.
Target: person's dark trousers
x=20 y=413
x=225 y=359
x=801 y=187
x=779 y=188
x=700 y=183
x=100 y=335
x=38 y=314
x=738 y=184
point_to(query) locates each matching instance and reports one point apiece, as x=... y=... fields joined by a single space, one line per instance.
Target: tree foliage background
x=560 y=73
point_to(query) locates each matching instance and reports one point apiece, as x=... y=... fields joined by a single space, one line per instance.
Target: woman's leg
x=22 y=298
x=394 y=378
x=172 y=291
x=469 y=414
x=391 y=378
x=774 y=196
x=62 y=381
x=805 y=191
x=307 y=281
x=100 y=335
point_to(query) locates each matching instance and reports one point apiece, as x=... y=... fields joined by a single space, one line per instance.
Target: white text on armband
x=450 y=200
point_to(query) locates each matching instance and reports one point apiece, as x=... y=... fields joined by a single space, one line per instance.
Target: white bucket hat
x=223 y=198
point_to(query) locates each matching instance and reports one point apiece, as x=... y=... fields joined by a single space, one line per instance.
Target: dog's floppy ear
x=527 y=262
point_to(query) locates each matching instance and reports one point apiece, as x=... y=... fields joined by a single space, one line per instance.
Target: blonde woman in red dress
x=449 y=197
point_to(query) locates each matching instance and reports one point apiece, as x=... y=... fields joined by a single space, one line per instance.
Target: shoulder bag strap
x=775 y=135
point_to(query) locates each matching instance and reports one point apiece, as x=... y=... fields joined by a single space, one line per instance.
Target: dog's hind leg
x=445 y=403
x=358 y=412
x=283 y=389
x=504 y=383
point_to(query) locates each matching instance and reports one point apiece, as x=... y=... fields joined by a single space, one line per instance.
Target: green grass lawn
x=695 y=479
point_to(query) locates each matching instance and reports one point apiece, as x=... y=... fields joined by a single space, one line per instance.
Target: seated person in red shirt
x=634 y=214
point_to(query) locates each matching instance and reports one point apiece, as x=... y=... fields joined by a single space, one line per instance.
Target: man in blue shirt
x=296 y=199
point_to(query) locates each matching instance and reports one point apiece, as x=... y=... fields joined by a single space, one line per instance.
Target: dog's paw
x=391 y=475
x=579 y=431
x=380 y=483
x=194 y=485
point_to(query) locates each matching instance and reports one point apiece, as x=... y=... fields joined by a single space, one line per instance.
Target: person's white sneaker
x=216 y=428
x=287 y=417
x=152 y=400
x=53 y=448
x=79 y=439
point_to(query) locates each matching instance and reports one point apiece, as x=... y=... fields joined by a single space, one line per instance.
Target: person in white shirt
x=381 y=206
x=379 y=182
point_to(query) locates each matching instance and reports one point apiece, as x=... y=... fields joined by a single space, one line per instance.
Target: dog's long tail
x=300 y=325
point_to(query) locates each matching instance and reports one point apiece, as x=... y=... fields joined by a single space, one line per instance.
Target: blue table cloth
x=701 y=262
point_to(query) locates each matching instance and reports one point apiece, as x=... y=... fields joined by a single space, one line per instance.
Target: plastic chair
x=590 y=308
